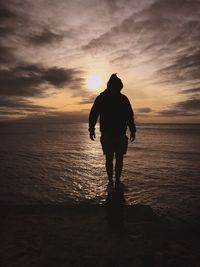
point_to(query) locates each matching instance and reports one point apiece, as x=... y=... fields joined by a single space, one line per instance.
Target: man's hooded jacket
x=115 y=113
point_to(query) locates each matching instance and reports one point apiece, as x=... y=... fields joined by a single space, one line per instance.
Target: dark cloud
x=8 y=19
x=17 y=106
x=46 y=37
x=189 y=107
x=19 y=103
x=32 y=80
x=189 y=104
x=6 y=55
x=190 y=91
x=20 y=82
x=7 y=30
x=184 y=68
x=59 y=77
x=4 y=31
x=6 y=12
x=144 y=110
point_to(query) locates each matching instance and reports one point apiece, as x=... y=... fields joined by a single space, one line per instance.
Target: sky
x=49 y=50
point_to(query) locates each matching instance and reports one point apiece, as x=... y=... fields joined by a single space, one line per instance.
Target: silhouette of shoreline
x=78 y=235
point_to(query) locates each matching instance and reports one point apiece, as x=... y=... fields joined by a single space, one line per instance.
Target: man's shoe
x=119 y=186
x=110 y=187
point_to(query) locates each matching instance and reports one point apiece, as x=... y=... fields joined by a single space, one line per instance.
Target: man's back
x=115 y=113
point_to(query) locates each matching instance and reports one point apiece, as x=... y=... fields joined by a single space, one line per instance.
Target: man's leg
x=109 y=166
x=118 y=166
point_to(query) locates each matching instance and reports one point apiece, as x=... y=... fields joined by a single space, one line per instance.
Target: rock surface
x=80 y=235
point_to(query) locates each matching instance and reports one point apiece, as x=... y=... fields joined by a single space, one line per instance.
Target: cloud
x=59 y=77
x=178 y=45
x=26 y=27
x=122 y=55
x=10 y=113
x=17 y=107
x=57 y=117
x=4 y=31
x=113 y=6
x=144 y=110
x=190 y=91
x=88 y=100
x=32 y=80
x=6 y=55
x=165 y=35
x=156 y=42
x=5 y=12
x=20 y=83
x=101 y=42
x=184 y=68
x=188 y=107
x=7 y=16
x=189 y=104
x=7 y=31
x=45 y=37
x=19 y=103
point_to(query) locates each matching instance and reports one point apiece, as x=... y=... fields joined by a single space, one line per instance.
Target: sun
x=94 y=81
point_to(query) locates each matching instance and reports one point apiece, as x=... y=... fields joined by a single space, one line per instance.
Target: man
x=116 y=114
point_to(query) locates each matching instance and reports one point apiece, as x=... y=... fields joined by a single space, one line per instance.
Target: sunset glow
x=94 y=82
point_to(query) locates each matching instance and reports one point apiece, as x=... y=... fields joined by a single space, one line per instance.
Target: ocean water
x=58 y=163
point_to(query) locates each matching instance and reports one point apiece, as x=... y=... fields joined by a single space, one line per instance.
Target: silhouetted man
x=116 y=114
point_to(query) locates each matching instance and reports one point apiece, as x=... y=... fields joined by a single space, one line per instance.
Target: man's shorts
x=114 y=144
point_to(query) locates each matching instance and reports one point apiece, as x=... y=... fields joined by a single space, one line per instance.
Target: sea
x=58 y=164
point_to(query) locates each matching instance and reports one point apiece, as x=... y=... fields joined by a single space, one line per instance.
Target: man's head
x=114 y=84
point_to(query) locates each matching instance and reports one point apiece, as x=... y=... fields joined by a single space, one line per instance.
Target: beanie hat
x=114 y=83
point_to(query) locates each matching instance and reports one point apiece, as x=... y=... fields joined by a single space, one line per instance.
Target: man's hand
x=132 y=136
x=92 y=136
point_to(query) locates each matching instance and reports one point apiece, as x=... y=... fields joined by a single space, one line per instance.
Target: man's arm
x=130 y=121
x=94 y=113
